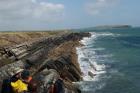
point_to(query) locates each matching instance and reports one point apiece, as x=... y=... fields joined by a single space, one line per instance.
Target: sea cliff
x=44 y=55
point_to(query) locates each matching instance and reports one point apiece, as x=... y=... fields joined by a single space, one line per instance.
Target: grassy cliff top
x=11 y=38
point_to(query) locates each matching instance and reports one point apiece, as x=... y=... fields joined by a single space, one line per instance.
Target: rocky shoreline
x=43 y=56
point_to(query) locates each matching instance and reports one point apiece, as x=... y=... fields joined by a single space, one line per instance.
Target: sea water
x=110 y=61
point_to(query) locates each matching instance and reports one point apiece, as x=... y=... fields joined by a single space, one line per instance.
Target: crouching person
x=21 y=82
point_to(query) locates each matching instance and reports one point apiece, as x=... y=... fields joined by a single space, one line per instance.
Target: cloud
x=29 y=11
x=94 y=7
x=49 y=10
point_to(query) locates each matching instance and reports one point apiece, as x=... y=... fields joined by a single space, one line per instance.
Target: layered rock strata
x=57 y=53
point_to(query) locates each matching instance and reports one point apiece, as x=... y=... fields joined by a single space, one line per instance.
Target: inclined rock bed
x=35 y=55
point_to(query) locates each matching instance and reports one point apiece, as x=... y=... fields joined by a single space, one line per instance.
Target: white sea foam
x=86 y=61
x=107 y=34
x=90 y=63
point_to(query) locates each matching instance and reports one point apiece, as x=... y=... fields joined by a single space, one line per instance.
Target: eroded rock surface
x=41 y=56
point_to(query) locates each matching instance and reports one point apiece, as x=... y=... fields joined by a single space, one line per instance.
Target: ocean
x=110 y=61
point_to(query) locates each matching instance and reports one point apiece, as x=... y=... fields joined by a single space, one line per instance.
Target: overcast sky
x=60 y=14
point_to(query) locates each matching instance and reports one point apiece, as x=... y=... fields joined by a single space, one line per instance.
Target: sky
x=66 y=14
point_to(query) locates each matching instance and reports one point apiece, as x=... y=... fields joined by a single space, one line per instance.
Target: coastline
x=64 y=57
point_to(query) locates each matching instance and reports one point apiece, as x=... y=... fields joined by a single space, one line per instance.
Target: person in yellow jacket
x=20 y=85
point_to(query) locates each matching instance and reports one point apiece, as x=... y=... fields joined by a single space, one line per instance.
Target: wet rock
x=91 y=74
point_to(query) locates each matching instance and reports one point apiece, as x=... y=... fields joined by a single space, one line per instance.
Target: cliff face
x=57 y=53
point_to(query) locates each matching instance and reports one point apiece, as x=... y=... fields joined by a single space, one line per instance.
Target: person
x=56 y=86
x=6 y=85
x=59 y=86
x=25 y=83
x=19 y=83
x=32 y=86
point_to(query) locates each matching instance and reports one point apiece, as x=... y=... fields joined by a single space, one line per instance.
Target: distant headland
x=102 y=27
x=113 y=26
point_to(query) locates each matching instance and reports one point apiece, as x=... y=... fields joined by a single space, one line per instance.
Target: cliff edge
x=46 y=57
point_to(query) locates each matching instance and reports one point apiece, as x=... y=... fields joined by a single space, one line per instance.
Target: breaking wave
x=92 y=70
